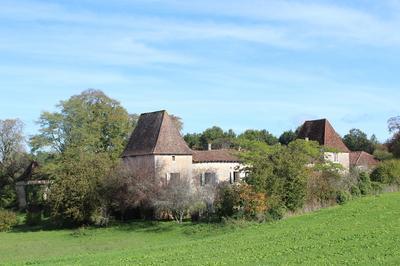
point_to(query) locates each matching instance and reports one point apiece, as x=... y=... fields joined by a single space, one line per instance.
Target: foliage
x=382 y=153
x=178 y=198
x=364 y=183
x=13 y=159
x=342 y=197
x=394 y=124
x=7 y=220
x=241 y=201
x=124 y=190
x=193 y=140
x=281 y=171
x=259 y=135
x=91 y=121
x=387 y=172
x=287 y=137
x=74 y=195
x=394 y=145
x=363 y=231
x=356 y=140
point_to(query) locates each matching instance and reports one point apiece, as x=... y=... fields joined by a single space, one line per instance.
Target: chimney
x=209 y=146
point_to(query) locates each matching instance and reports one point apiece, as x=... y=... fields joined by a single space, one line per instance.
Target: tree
x=259 y=135
x=178 y=122
x=394 y=143
x=11 y=140
x=356 y=140
x=90 y=120
x=123 y=190
x=287 y=137
x=75 y=195
x=394 y=124
x=217 y=137
x=178 y=198
x=13 y=159
x=281 y=171
x=193 y=140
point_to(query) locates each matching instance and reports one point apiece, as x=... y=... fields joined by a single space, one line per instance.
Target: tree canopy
x=357 y=140
x=90 y=121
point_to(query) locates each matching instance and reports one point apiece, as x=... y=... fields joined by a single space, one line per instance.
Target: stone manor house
x=157 y=149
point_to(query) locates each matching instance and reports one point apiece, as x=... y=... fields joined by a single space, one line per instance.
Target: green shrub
x=364 y=183
x=388 y=172
x=7 y=220
x=342 y=197
x=355 y=191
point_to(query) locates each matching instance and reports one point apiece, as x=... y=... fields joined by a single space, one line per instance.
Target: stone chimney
x=209 y=146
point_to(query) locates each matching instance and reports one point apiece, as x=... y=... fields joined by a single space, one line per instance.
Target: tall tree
x=91 y=121
x=356 y=140
x=259 y=135
x=217 y=137
x=13 y=159
x=394 y=143
x=287 y=137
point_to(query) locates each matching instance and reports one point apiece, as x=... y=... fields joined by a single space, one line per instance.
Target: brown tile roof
x=156 y=133
x=223 y=155
x=322 y=132
x=362 y=158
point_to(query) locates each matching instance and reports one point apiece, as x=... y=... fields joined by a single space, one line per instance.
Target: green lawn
x=364 y=231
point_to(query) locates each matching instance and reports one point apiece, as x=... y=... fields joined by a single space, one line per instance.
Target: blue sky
x=236 y=64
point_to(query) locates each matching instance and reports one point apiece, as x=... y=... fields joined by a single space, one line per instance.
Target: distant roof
x=156 y=133
x=223 y=155
x=362 y=158
x=322 y=132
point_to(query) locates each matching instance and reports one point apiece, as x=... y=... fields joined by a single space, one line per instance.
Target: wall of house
x=223 y=170
x=167 y=164
x=341 y=158
x=143 y=166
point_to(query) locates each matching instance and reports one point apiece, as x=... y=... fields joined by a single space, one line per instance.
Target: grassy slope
x=365 y=231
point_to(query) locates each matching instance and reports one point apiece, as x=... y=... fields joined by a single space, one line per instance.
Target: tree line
x=78 y=148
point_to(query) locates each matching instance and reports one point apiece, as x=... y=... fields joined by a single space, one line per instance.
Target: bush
x=241 y=201
x=355 y=191
x=388 y=172
x=364 y=183
x=342 y=197
x=7 y=220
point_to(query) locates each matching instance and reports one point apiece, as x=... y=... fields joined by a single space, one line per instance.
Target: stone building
x=322 y=132
x=157 y=149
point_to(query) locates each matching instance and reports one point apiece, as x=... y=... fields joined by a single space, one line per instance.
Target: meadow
x=363 y=231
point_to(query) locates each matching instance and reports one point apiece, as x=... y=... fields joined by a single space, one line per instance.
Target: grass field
x=364 y=231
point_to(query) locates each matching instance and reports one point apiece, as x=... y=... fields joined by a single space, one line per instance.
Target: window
x=174 y=177
x=336 y=157
x=173 y=158
x=236 y=177
x=209 y=178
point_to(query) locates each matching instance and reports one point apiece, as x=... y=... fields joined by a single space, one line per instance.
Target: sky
x=236 y=64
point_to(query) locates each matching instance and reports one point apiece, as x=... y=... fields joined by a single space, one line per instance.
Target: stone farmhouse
x=157 y=149
x=322 y=132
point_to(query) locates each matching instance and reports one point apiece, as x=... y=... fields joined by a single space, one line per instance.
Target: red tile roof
x=362 y=158
x=223 y=155
x=322 y=132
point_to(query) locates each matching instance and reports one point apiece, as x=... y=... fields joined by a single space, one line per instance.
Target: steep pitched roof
x=362 y=158
x=322 y=132
x=223 y=155
x=156 y=133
